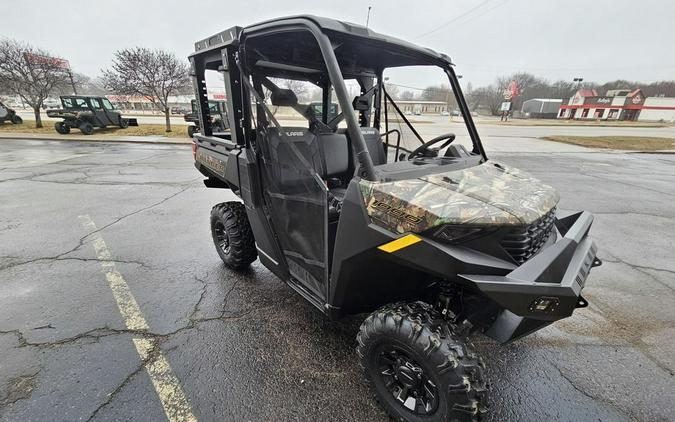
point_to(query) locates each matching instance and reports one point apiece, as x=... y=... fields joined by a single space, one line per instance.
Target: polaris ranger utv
x=8 y=114
x=87 y=112
x=218 y=112
x=435 y=241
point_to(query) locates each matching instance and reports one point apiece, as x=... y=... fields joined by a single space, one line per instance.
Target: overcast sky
x=599 y=40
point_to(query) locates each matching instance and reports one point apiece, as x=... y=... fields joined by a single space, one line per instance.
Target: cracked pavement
x=245 y=347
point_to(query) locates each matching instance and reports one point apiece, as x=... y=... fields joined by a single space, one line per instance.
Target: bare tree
x=490 y=96
x=407 y=95
x=86 y=85
x=154 y=74
x=31 y=73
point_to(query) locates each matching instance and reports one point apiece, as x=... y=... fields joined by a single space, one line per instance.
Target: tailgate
x=211 y=154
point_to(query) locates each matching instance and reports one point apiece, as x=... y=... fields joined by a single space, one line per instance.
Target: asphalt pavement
x=114 y=305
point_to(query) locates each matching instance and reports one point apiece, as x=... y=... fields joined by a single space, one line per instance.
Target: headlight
x=454 y=234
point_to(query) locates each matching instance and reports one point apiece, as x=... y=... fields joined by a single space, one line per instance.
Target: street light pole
x=578 y=81
x=72 y=81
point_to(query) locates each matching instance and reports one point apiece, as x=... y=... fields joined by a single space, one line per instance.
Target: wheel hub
x=407 y=382
x=409 y=375
x=222 y=237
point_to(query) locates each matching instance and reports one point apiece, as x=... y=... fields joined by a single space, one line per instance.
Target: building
x=617 y=104
x=140 y=103
x=658 y=109
x=541 y=108
x=421 y=107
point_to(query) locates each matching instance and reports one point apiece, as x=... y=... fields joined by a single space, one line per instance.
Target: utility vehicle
x=8 y=114
x=217 y=112
x=435 y=240
x=87 y=112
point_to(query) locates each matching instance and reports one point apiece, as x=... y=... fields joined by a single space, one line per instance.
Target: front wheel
x=62 y=128
x=87 y=128
x=419 y=367
x=124 y=123
x=232 y=235
x=17 y=120
x=191 y=131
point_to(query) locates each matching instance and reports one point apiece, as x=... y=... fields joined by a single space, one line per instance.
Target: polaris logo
x=294 y=133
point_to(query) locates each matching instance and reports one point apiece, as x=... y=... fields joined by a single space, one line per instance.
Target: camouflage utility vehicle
x=9 y=115
x=217 y=112
x=87 y=112
x=359 y=213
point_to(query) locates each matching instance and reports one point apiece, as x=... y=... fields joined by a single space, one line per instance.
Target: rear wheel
x=418 y=367
x=232 y=235
x=62 y=128
x=17 y=120
x=87 y=128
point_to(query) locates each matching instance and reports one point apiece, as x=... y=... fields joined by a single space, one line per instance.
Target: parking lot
x=115 y=306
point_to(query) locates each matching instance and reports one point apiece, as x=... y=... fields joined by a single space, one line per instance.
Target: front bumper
x=547 y=287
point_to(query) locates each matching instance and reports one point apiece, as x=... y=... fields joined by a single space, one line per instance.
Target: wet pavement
x=243 y=346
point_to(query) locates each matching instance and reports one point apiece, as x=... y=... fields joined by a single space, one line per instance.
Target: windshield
x=396 y=95
x=422 y=105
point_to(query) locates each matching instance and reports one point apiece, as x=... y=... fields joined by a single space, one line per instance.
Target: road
x=98 y=239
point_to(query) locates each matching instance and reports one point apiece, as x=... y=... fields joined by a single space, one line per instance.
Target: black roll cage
x=226 y=52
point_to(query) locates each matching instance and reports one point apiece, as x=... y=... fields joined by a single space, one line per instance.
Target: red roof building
x=587 y=104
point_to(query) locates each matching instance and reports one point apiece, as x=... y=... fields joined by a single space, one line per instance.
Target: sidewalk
x=153 y=139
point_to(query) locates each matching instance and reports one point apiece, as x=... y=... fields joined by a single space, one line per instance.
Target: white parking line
x=174 y=402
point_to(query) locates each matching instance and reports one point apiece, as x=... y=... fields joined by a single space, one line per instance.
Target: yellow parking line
x=174 y=402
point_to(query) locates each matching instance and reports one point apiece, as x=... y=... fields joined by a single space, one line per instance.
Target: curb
x=120 y=140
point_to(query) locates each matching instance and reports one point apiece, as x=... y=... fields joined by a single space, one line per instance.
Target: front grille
x=525 y=241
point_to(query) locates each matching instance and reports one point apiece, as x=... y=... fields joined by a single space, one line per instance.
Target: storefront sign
x=598 y=100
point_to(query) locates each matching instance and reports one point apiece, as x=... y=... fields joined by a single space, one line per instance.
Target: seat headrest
x=284 y=98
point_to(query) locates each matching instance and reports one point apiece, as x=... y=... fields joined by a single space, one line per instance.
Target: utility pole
x=368 y=16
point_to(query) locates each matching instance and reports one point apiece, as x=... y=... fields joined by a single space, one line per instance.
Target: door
x=295 y=195
x=99 y=113
x=112 y=115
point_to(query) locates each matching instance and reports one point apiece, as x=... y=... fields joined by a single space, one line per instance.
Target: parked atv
x=8 y=114
x=435 y=241
x=217 y=112
x=86 y=113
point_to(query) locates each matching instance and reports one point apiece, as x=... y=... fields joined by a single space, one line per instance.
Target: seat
x=327 y=153
x=373 y=143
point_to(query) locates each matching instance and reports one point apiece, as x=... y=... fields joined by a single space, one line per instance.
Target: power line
x=485 y=12
x=418 y=88
x=454 y=19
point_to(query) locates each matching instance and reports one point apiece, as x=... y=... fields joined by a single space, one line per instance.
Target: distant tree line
x=491 y=96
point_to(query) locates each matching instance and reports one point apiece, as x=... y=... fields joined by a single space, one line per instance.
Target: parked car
x=444 y=113
x=179 y=110
x=50 y=103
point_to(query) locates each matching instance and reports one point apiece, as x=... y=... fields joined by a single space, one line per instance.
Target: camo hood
x=490 y=194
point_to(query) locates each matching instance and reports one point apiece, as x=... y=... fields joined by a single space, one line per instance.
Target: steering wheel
x=424 y=151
